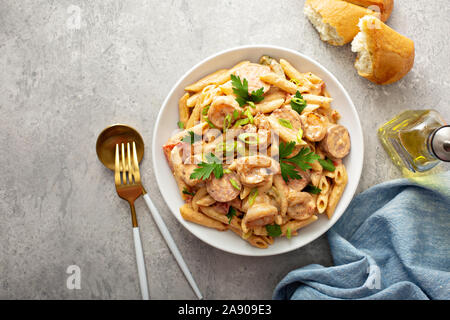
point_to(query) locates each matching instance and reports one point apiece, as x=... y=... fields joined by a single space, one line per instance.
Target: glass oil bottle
x=417 y=140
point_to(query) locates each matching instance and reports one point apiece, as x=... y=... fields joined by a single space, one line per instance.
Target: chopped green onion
x=295 y=81
x=248 y=113
x=235 y=114
x=235 y=184
x=225 y=147
x=252 y=196
x=209 y=122
x=226 y=171
x=285 y=123
x=251 y=104
x=241 y=122
x=226 y=122
x=288 y=233
x=300 y=136
x=180 y=124
x=243 y=137
x=206 y=109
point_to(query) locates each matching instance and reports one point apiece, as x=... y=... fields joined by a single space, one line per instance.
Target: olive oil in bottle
x=417 y=140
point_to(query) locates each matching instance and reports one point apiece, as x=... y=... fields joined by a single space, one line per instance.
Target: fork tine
x=136 y=173
x=117 y=167
x=130 y=168
x=124 y=165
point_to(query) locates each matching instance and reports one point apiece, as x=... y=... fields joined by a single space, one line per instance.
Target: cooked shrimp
x=301 y=205
x=220 y=108
x=259 y=215
x=255 y=170
x=315 y=126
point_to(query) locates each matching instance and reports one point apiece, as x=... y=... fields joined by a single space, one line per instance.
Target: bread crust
x=341 y=15
x=386 y=6
x=392 y=53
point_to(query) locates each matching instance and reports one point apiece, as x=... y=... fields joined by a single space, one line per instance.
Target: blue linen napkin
x=393 y=242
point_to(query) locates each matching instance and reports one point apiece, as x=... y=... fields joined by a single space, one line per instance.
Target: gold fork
x=128 y=187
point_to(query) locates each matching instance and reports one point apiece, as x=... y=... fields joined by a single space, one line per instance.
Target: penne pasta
x=324 y=185
x=340 y=174
x=335 y=196
x=294 y=225
x=281 y=187
x=279 y=82
x=198 y=195
x=192 y=100
x=183 y=109
x=212 y=213
x=318 y=100
x=269 y=106
x=212 y=78
x=199 y=218
x=195 y=116
x=322 y=202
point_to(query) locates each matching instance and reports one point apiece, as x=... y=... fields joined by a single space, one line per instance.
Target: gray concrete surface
x=61 y=84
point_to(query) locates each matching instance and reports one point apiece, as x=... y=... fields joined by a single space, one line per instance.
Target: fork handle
x=140 y=264
x=171 y=244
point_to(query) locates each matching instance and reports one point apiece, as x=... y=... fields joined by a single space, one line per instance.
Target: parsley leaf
x=289 y=171
x=327 y=164
x=240 y=89
x=273 y=230
x=191 y=138
x=286 y=149
x=205 y=169
x=302 y=160
x=312 y=189
x=298 y=103
x=186 y=191
x=231 y=213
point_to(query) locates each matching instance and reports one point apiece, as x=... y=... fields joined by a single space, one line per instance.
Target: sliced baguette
x=384 y=55
x=335 y=20
x=385 y=7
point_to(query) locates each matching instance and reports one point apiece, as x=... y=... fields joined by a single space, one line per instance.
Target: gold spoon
x=106 y=148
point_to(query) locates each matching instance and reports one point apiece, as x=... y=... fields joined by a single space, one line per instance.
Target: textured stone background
x=60 y=86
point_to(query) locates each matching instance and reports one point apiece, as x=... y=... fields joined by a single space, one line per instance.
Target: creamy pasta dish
x=259 y=151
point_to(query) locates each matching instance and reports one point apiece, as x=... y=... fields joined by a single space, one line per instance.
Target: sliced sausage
x=299 y=184
x=252 y=72
x=287 y=113
x=336 y=143
x=221 y=189
x=301 y=205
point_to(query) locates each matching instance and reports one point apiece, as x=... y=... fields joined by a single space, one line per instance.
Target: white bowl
x=166 y=124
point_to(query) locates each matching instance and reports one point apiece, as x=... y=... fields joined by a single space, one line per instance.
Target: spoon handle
x=171 y=244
